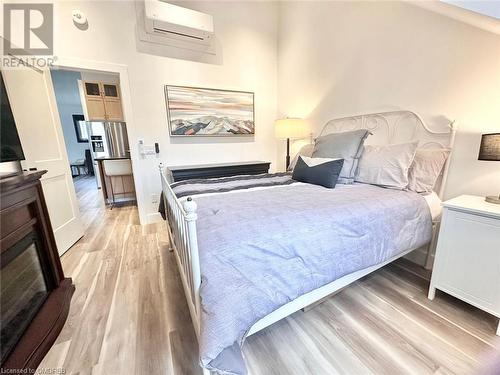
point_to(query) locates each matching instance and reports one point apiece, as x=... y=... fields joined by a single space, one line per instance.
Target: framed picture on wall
x=194 y=111
x=80 y=129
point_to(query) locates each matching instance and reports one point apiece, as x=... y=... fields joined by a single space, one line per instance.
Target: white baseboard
x=153 y=218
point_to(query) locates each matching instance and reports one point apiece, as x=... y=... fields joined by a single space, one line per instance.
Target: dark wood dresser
x=189 y=172
x=35 y=295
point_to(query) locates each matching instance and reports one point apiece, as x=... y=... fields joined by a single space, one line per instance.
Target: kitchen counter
x=123 y=186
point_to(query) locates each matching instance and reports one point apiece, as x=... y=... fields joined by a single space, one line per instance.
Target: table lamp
x=490 y=150
x=290 y=128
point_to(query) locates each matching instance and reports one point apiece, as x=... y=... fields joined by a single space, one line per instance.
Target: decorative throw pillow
x=386 y=166
x=318 y=171
x=345 y=145
x=306 y=150
x=426 y=168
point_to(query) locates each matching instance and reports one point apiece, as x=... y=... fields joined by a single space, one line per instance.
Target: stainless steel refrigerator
x=107 y=140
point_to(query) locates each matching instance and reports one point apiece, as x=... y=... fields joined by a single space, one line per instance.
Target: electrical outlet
x=155 y=198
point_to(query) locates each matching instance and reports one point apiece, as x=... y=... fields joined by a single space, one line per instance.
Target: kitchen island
x=123 y=186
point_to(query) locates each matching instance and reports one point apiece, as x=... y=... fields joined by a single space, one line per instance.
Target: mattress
x=432 y=200
x=434 y=204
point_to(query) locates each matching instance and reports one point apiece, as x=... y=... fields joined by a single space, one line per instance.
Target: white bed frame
x=386 y=128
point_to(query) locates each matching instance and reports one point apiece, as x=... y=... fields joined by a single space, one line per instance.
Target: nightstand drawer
x=468 y=259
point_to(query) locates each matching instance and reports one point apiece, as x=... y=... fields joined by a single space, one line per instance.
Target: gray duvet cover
x=261 y=248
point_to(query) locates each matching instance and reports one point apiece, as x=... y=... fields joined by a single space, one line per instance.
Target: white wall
x=342 y=58
x=247 y=34
x=69 y=104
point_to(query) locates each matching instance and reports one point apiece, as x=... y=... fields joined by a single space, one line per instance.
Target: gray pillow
x=345 y=145
x=426 y=168
x=386 y=166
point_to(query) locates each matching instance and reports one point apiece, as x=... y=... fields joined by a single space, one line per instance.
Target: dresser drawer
x=468 y=259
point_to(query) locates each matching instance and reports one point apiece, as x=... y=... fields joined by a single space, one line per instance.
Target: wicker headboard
x=398 y=127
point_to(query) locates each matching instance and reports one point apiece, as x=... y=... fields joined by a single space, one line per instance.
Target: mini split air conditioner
x=169 y=21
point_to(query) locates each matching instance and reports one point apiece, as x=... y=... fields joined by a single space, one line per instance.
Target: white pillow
x=386 y=166
x=306 y=150
x=312 y=162
x=426 y=168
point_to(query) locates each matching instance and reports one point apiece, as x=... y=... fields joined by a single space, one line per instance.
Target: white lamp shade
x=290 y=128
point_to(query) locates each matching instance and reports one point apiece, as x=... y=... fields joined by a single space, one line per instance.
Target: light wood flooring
x=128 y=315
x=89 y=198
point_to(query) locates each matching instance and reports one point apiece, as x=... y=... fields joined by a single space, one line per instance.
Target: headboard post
x=453 y=131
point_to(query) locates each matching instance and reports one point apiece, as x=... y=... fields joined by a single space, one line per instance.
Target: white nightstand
x=467 y=263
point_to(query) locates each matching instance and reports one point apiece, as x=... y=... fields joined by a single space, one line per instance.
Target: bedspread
x=261 y=248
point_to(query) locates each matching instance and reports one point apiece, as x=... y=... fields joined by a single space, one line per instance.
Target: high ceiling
x=489 y=8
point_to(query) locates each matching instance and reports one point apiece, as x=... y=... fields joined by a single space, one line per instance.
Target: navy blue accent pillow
x=325 y=174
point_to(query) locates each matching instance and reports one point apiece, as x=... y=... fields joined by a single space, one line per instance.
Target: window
x=80 y=128
x=110 y=90
x=92 y=89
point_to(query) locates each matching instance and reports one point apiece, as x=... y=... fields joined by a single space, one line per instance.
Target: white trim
x=154 y=217
x=81 y=64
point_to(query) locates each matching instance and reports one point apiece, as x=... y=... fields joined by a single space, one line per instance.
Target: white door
x=34 y=108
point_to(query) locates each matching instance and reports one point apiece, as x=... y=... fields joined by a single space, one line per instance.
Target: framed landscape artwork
x=194 y=111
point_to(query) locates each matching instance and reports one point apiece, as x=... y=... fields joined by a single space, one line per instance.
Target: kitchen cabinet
x=103 y=101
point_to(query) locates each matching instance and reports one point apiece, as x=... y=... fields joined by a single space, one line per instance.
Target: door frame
x=122 y=70
x=70 y=231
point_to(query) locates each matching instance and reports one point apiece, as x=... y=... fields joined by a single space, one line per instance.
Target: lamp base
x=287 y=160
x=495 y=199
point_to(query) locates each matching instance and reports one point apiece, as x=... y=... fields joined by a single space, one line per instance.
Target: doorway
x=34 y=110
x=41 y=134
x=95 y=134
